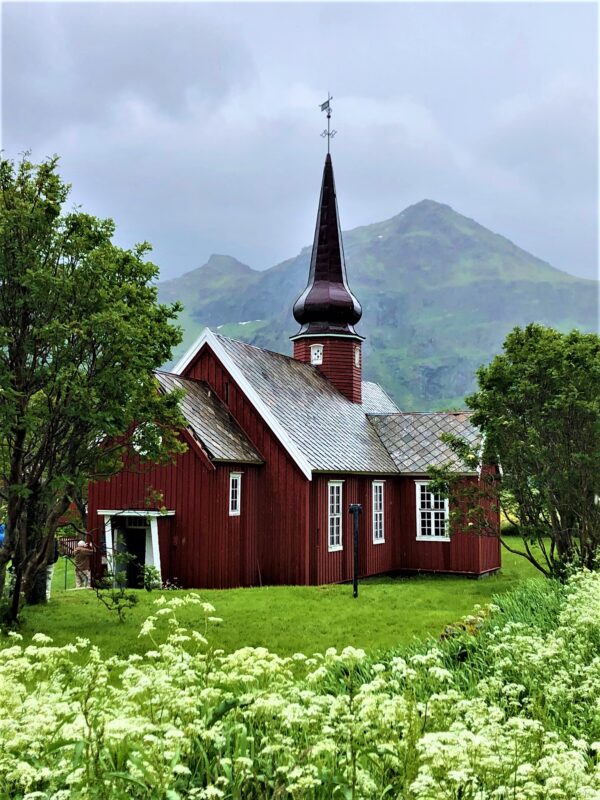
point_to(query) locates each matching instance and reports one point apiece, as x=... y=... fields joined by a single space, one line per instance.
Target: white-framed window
x=316 y=354
x=357 y=356
x=235 y=494
x=432 y=514
x=334 y=510
x=378 y=521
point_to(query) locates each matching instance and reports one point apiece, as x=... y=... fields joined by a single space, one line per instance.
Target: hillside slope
x=439 y=293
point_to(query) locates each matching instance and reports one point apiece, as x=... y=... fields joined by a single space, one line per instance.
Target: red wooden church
x=279 y=447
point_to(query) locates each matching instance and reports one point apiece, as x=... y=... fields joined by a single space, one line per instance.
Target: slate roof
x=332 y=433
x=376 y=401
x=210 y=421
x=413 y=439
x=328 y=431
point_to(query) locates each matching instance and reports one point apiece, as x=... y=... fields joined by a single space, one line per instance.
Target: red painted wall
x=338 y=363
x=282 y=498
x=202 y=546
x=465 y=552
x=336 y=566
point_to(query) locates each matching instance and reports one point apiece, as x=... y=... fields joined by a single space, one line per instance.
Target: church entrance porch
x=131 y=544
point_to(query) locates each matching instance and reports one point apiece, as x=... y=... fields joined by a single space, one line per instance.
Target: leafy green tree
x=80 y=334
x=538 y=407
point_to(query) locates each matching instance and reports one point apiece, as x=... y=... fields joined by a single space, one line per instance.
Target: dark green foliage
x=538 y=406
x=439 y=293
x=80 y=333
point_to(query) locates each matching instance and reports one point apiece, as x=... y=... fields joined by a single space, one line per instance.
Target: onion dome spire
x=327 y=305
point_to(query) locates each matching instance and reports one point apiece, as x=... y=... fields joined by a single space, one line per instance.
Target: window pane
x=440 y=523
x=425 y=523
x=438 y=500
x=334 y=506
x=234 y=494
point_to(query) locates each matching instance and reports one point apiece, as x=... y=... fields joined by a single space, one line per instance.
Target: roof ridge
x=416 y=413
x=431 y=413
x=264 y=349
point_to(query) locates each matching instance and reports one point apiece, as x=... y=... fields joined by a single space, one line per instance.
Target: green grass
x=388 y=613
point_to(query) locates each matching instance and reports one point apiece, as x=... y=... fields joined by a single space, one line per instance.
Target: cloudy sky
x=196 y=125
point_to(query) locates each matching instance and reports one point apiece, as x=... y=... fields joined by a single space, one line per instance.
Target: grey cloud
x=196 y=126
x=551 y=138
x=79 y=63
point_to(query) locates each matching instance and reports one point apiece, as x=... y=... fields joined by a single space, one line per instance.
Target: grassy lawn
x=388 y=612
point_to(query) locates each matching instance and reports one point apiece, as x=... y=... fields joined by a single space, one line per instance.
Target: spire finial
x=326 y=106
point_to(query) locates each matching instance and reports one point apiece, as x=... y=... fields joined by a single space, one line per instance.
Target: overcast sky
x=196 y=125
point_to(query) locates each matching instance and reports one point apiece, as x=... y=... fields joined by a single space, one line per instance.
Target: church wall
x=374 y=559
x=465 y=552
x=201 y=546
x=282 y=554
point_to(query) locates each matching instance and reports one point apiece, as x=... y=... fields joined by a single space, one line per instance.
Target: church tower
x=327 y=311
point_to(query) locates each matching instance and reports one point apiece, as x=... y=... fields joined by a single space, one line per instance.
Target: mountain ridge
x=439 y=292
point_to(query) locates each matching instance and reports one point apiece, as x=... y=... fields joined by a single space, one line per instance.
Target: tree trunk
x=36 y=592
x=2 y=579
x=16 y=597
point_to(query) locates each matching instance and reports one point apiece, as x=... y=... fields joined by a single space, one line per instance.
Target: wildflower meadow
x=505 y=705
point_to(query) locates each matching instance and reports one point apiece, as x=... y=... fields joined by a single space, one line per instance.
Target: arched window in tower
x=357 y=357
x=316 y=354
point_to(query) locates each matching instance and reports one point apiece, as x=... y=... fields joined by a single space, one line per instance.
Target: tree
x=538 y=407
x=80 y=335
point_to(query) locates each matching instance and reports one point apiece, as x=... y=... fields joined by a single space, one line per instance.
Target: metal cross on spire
x=326 y=106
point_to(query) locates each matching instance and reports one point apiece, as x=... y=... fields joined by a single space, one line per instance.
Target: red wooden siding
x=201 y=546
x=462 y=554
x=338 y=363
x=374 y=559
x=282 y=501
x=489 y=553
x=489 y=546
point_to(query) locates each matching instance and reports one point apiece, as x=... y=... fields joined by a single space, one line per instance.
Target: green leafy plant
x=151 y=578
x=538 y=408
x=81 y=332
x=111 y=588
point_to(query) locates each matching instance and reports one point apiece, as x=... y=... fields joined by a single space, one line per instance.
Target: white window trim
x=313 y=360
x=336 y=547
x=421 y=538
x=232 y=477
x=373 y=485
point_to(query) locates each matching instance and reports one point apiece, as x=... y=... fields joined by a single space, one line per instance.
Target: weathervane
x=326 y=106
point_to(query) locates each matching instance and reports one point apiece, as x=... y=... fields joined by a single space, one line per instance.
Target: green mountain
x=439 y=293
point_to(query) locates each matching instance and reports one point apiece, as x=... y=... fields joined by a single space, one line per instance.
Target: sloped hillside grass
x=505 y=708
x=286 y=619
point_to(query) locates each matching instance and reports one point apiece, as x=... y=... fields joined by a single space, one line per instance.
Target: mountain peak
x=430 y=204
x=427 y=208
x=440 y=293
x=225 y=264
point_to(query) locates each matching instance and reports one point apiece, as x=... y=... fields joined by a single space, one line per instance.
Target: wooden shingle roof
x=210 y=421
x=332 y=433
x=322 y=430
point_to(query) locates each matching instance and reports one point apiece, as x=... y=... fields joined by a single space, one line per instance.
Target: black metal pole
x=355 y=510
